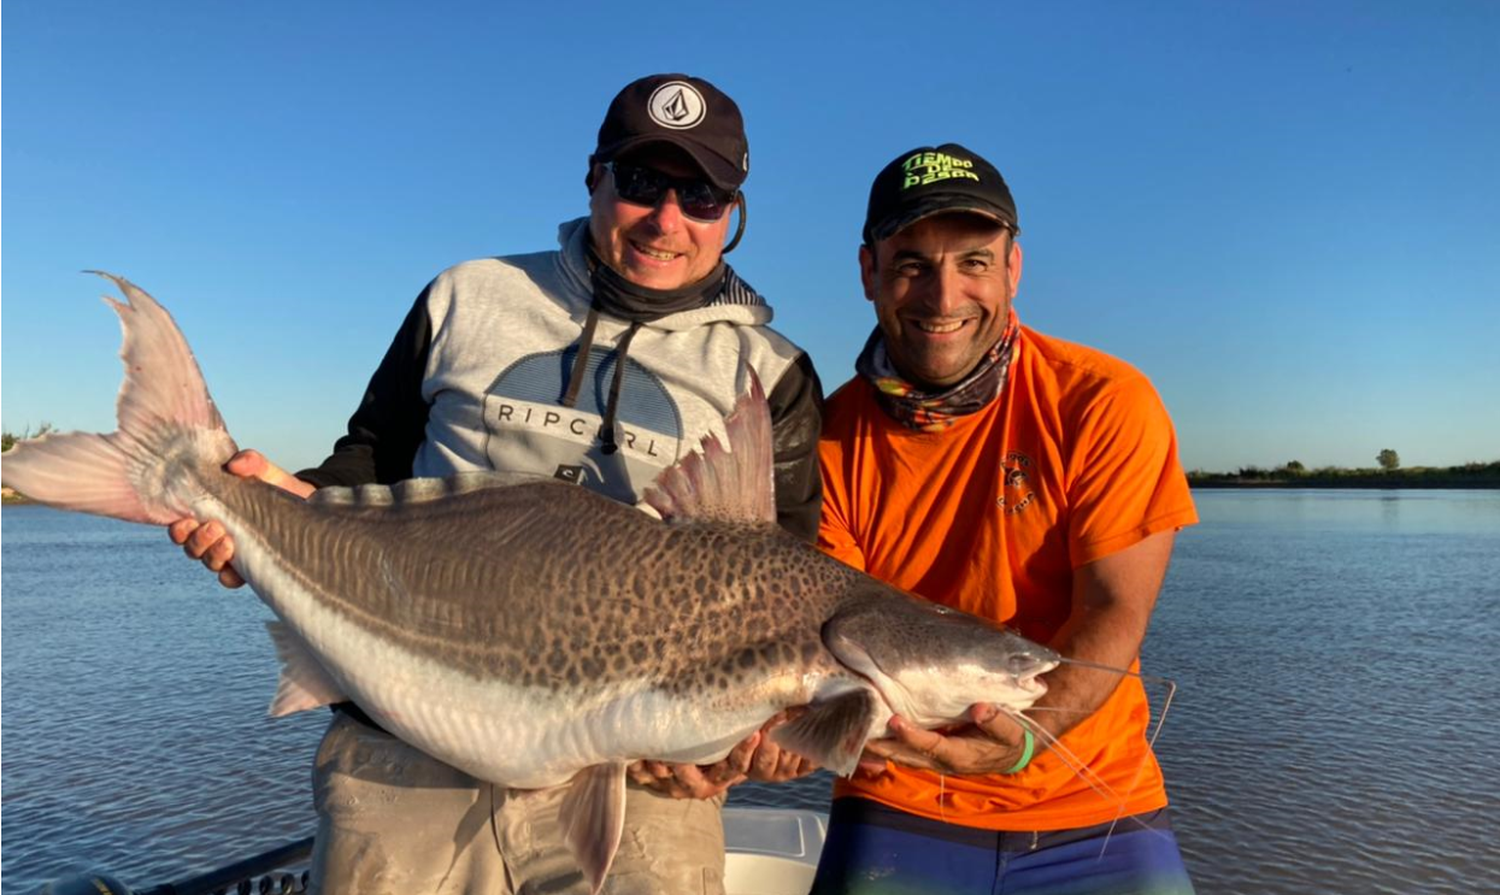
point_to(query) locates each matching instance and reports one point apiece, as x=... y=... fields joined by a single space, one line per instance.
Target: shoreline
x=13 y=499
x=1344 y=484
x=1352 y=486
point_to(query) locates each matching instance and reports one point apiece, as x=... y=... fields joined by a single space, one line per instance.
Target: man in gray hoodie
x=600 y=362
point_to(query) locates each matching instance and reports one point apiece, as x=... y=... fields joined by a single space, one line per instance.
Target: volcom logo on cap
x=676 y=104
x=927 y=167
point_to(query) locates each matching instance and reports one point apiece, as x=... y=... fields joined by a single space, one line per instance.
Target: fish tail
x=170 y=434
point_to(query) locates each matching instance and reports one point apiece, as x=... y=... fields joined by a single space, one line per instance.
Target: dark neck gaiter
x=618 y=297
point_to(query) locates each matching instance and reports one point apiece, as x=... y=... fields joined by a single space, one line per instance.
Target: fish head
x=930 y=662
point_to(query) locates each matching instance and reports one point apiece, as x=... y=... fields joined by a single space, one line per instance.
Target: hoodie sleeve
x=391 y=420
x=796 y=418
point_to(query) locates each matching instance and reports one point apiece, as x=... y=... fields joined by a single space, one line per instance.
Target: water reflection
x=1334 y=650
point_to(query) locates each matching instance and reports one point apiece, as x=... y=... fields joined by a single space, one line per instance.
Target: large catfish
x=526 y=630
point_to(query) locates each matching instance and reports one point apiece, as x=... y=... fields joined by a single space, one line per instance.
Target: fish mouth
x=1034 y=687
x=1028 y=668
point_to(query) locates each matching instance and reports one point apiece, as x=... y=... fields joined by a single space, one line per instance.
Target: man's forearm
x=1113 y=598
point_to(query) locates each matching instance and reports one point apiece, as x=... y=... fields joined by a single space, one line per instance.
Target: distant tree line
x=1388 y=474
x=8 y=439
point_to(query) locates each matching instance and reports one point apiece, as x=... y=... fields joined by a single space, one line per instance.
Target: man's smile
x=655 y=254
x=940 y=327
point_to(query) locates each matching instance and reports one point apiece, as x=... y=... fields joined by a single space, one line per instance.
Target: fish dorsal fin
x=592 y=816
x=719 y=482
x=423 y=490
x=833 y=731
x=305 y=683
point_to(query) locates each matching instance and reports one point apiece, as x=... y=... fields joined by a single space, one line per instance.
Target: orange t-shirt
x=1074 y=461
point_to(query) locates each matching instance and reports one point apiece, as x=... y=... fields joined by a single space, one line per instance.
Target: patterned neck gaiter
x=936 y=411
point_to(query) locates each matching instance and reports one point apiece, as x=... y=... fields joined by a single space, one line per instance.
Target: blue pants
x=876 y=850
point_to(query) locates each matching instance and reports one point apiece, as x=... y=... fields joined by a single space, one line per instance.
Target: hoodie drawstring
x=621 y=351
x=580 y=370
x=581 y=361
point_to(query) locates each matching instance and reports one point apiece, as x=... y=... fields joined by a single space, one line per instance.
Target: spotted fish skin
x=531 y=632
x=622 y=637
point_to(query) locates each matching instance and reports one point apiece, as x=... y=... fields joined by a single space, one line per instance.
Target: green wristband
x=1026 y=753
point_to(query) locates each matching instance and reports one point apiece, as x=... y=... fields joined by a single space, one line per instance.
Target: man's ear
x=1013 y=265
x=867 y=271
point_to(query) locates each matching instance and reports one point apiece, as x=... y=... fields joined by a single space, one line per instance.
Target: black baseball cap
x=688 y=113
x=931 y=180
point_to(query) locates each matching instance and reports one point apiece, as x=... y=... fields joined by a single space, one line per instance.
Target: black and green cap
x=933 y=180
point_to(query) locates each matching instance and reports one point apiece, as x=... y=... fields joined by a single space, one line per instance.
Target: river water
x=1334 y=728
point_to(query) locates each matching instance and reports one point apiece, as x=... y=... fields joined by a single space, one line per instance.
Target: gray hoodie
x=476 y=376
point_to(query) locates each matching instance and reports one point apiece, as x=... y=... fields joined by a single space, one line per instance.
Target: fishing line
x=1071 y=760
x=1064 y=754
x=1151 y=747
x=1171 y=687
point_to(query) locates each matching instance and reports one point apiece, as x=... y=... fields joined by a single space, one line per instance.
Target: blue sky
x=1287 y=214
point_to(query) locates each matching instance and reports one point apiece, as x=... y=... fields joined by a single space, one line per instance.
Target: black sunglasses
x=698 y=199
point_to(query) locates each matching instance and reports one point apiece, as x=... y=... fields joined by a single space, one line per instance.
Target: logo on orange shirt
x=1017 y=494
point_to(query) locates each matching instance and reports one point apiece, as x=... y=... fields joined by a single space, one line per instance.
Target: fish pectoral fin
x=592 y=816
x=832 y=732
x=304 y=683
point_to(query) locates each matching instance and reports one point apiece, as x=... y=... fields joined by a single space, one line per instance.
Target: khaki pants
x=394 y=821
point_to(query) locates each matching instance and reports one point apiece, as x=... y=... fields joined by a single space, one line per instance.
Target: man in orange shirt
x=986 y=466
